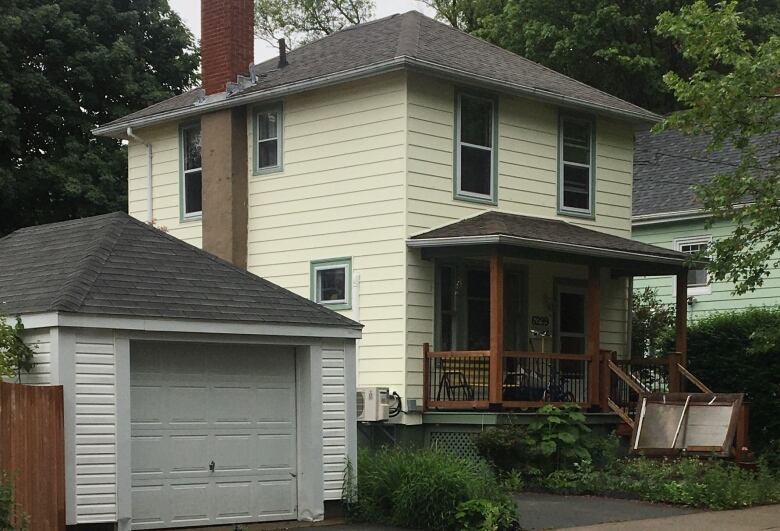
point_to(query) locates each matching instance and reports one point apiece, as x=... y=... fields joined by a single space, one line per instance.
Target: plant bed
x=427 y=489
x=690 y=482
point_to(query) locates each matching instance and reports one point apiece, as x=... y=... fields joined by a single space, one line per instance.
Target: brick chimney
x=227 y=41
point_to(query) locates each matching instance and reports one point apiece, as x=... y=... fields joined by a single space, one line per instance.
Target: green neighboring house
x=667 y=213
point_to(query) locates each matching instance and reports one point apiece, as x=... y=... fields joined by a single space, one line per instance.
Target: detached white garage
x=195 y=392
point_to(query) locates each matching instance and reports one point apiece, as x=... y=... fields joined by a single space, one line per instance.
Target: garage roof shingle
x=116 y=265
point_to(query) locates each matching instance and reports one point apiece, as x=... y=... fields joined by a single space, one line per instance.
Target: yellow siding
x=341 y=194
x=527 y=184
x=165 y=178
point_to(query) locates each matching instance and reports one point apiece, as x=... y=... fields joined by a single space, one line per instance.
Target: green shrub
x=556 y=438
x=420 y=488
x=694 y=482
x=486 y=515
x=11 y=518
x=739 y=352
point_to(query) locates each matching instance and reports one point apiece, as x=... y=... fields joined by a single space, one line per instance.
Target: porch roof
x=550 y=235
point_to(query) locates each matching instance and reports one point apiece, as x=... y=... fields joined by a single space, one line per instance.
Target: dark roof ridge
x=79 y=283
x=409 y=35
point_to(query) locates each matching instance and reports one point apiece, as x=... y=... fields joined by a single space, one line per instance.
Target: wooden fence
x=32 y=451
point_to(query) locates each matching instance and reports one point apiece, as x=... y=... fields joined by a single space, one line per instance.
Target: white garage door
x=213 y=434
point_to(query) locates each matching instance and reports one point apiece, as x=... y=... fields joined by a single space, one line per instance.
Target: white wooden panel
x=194 y=404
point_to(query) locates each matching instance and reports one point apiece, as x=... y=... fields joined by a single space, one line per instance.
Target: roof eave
x=397 y=63
x=586 y=250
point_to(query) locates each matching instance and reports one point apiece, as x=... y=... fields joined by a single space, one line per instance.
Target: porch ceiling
x=551 y=239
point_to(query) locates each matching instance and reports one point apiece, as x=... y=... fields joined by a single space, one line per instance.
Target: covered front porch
x=531 y=311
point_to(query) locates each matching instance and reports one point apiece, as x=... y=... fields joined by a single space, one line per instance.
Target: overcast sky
x=189 y=11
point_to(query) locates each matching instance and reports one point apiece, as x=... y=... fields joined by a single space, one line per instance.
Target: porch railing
x=460 y=380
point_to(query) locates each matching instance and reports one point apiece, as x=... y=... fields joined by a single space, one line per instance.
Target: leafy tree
x=302 y=21
x=15 y=355
x=609 y=44
x=732 y=94
x=651 y=322
x=65 y=67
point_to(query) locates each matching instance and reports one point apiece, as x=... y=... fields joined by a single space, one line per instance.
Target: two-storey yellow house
x=470 y=207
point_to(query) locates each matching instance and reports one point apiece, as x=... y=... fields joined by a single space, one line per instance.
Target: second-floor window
x=268 y=139
x=698 y=279
x=575 y=193
x=331 y=283
x=192 y=174
x=475 y=144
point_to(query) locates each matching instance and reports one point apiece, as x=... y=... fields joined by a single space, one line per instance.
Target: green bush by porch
x=429 y=489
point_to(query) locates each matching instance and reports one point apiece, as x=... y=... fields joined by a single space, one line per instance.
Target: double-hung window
x=575 y=194
x=331 y=283
x=268 y=139
x=192 y=173
x=698 y=278
x=475 y=141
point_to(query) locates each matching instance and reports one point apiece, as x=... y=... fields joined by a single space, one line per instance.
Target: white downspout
x=149 y=181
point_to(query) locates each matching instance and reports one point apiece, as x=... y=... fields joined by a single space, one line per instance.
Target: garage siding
x=40 y=341
x=334 y=419
x=95 y=378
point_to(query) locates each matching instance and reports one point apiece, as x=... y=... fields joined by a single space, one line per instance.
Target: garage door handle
x=212 y=465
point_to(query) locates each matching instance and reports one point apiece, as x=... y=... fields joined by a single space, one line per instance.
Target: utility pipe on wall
x=149 y=191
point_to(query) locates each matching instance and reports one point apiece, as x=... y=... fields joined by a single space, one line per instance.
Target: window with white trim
x=576 y=166
x=192 y=173
x=698 y=279
x=475 y=139
x=268 y=139
x=331 y=283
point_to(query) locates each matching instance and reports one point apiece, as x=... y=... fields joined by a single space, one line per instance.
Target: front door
x=569 y=338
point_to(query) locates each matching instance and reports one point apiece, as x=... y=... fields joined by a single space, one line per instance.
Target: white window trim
x=184 y=172
x=326 y=265
x=562 y=164
x=693 y=290
x=459 y=191
x=279 y=111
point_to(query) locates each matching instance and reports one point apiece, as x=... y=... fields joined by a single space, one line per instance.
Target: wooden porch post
x=593 y=331
x=495 y=393
x=681 y=317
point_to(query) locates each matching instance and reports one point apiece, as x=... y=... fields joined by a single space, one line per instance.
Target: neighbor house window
x=698 y=279
x=268 y=139
x=475 y=144
x=192 y=174
x=331 y=283
x=575 y=193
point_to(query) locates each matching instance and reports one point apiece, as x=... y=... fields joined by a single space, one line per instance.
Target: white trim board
x=42 y=320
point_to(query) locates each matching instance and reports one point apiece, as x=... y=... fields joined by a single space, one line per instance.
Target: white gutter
x=390 y=65
x=665 y=217
x=496 y=239
x=149 y=178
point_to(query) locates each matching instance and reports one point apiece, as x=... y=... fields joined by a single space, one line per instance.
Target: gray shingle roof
x=668 y=165
x=428 y=45
x=550 y=231
x=116 y=265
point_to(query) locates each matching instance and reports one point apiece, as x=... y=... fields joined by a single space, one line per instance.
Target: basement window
x=575 y=195
x=331 y=283
x=268 y=139
x=475 y=167
x=192 y=173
